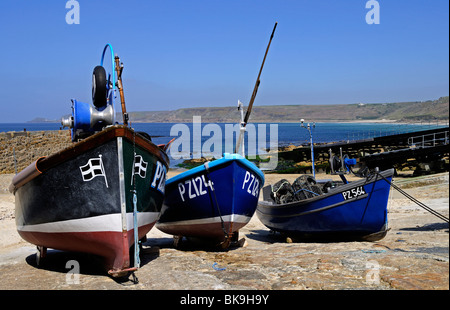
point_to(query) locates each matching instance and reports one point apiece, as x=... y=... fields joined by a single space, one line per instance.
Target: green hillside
x=399 y=111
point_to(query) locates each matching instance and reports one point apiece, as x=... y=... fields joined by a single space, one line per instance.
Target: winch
x=342 y=164
x=86 y=118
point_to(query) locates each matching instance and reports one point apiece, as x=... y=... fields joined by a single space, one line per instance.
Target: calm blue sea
x=288 y=133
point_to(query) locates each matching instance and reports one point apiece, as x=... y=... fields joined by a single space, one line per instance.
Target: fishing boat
x=213 y=201
x=343 y=210
x=101 y=194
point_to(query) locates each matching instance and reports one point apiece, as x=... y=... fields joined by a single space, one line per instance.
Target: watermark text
x=221 y=140
x=373 y=15
x=73 y=15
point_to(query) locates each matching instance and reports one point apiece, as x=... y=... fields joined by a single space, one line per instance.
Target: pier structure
x=425 y=151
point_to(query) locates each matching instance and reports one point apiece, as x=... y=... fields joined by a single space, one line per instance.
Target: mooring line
x=420 y=204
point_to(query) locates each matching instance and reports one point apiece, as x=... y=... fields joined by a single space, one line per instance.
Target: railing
x=393 y=129
x=429 y=140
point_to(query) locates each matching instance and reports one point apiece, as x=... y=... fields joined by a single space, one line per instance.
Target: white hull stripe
x=109 y=222
x=235 y=218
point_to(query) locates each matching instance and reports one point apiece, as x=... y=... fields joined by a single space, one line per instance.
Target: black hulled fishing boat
x=104 y=192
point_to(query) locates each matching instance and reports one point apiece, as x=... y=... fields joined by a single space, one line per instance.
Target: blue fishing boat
x=212 y=201
x=355 y=210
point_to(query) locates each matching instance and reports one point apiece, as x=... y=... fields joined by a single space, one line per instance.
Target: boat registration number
x=353 y=193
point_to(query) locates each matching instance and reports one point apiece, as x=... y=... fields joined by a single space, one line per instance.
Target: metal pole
x=308 y=127
x=312 y=152
x=242 y=130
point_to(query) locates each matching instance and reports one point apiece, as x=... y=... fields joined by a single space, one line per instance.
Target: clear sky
x=197 y=53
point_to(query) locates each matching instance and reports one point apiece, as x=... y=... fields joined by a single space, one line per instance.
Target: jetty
x=427 y=151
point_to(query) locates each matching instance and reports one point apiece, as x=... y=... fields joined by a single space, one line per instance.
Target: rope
x=420 y=204
x=280 y=187
x=137 y=261
x=306 y=190
x=218 y=268
x=215 y=198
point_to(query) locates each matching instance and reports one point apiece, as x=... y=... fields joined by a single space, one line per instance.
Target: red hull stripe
x=107 y=244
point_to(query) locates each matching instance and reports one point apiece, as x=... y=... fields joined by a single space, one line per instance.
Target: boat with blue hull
x=212 y=201
x=352 y=210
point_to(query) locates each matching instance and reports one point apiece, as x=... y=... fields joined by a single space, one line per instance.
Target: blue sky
x=197 y=53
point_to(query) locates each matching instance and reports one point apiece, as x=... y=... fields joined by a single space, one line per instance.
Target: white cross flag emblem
x=92 y=169
x=139 y=167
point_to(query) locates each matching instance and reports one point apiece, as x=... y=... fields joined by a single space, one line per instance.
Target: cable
x=420 y=204
x=208 y=176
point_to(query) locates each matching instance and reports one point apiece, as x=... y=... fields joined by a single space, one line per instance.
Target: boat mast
x=119 y=69
x=255 y=90
x=241 y=129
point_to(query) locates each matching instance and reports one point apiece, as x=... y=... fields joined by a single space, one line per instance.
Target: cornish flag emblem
x=140 y=167
x=92 y=169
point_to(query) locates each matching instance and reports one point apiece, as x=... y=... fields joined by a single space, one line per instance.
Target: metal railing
x=429 y=140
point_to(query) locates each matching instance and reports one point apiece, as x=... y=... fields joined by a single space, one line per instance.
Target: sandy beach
x=413 y=255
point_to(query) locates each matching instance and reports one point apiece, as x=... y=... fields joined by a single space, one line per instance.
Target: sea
x=267 y=134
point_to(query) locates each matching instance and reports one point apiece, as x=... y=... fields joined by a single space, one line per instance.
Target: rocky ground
x=413 y=256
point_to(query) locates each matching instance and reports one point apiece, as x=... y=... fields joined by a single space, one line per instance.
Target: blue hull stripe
x=329 y=213
x=199 y=202
x=217 y=163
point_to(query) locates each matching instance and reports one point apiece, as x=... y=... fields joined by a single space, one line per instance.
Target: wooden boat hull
x=357 y=210
x=80 y=199
x=195 y=208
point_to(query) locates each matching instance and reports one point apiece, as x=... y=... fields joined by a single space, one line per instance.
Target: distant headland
x=414 y=111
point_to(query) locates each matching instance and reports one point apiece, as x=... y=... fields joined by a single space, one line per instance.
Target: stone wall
x=28 y=146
